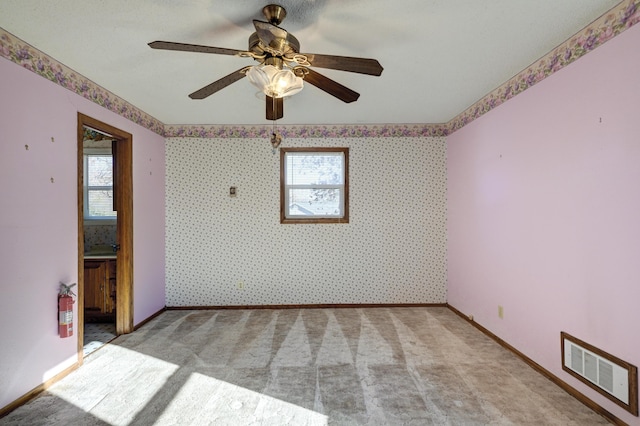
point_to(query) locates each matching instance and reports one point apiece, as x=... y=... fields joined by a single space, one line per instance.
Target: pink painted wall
x=38 y=223
x=544 y=213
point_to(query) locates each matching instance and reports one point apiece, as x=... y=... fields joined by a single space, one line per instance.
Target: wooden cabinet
x=99 y=288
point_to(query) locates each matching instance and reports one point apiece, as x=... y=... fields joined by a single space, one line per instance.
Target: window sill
x=314 y=220
x=99 y=222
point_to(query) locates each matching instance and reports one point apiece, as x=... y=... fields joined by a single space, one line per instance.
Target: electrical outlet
x=500 y=312
x=240 y=285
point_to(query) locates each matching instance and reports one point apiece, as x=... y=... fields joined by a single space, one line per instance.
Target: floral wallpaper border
x=615 y=21
x=309 y=131
x=27 y=56
x=619 y=18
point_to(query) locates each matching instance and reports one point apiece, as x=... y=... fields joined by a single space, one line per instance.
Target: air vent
x=612 y=377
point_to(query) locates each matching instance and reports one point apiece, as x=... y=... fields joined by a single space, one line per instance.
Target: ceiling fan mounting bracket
x=274 y=13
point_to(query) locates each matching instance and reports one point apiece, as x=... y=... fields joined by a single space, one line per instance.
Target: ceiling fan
x=282 y=68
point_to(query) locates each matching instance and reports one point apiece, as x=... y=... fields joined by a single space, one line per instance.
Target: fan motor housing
x=289 y=46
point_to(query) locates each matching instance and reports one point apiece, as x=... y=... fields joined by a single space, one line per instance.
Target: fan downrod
x=274 y=13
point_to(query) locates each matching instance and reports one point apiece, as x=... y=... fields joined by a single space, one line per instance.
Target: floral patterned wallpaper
x=223 y=250
x=619 y=18
x=99 y=235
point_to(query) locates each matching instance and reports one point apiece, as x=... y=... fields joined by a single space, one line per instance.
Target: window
x=314 y=185
x=98 y=186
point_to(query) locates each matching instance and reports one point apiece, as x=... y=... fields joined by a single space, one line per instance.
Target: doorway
x=112 y=264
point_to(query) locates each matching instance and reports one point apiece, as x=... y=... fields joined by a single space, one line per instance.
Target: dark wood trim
x=632 y=378
x=114 y=154
x=345 y=218
x=546 y=373
x=143 y=322
x=37 y=390
x=80 y=195
x=124 y=268
x=310 y=306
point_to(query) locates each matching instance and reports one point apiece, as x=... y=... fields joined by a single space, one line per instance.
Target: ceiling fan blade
x=331 y=87
x=184 y=47
x=345 y=63
x=275 y=108
x=218 y=85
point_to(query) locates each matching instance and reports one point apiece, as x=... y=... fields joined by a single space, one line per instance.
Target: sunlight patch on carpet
x=207 y=400
x=118 y=396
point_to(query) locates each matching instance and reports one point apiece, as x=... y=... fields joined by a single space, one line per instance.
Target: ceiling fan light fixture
x=273 y=81
x=282 y=67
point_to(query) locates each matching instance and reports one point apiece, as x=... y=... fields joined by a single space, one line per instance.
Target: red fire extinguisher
x=65 y=310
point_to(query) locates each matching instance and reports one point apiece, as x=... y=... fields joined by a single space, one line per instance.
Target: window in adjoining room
x=314 y=185
x=98 y=187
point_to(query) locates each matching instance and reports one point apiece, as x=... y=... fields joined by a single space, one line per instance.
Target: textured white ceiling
x=439 y=56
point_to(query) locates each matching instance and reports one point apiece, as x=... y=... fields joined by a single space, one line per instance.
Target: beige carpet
x=378 y=366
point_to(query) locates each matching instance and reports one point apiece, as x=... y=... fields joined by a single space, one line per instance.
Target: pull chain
x=276 y=139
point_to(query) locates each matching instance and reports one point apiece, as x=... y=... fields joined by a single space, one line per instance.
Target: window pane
x=101 y=202
x=100 y=170
x=314 y=186
x=315 y=202
x=316 y=169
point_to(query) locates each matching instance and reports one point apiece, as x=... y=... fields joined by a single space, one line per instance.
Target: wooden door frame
x=124 y=233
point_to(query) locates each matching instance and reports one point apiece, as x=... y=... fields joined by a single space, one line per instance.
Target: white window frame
x=92 y=219
x=285 y=216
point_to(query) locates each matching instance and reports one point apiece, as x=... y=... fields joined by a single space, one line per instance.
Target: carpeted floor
x=377 y=366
